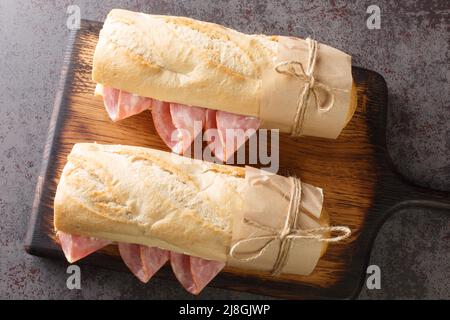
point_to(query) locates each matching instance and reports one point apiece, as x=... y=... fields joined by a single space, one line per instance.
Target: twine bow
x=287 y=235
x=295 y=68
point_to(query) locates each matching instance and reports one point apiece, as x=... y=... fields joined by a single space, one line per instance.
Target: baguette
x=150 y=197
x=182 y=60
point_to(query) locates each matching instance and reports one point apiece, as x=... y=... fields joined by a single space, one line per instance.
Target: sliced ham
x=240 y=128
x=194 y=273
x=143 y=261
x=77 y=247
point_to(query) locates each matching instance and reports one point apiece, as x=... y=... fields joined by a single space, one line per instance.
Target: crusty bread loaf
x=183 y=60
x=145 y=196
x=150 y=197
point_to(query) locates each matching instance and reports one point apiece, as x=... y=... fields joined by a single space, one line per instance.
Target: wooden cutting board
x=360 y=186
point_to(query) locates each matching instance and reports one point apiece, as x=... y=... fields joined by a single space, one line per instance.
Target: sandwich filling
x=193 y=273
x=174 y=120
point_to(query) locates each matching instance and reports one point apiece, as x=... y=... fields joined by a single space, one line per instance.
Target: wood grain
x=360 y=186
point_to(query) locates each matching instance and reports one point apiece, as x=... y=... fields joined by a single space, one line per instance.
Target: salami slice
x=236 y=126
x=189 y=122
x=178 y=124
x=131 y=256
x=203 y=271
x=143 y=261
x=111 y=102
x=210 y=119
x=77 y=247
x=121 y=104
x=162 y=120
x=181 y=267
x=130 y=104
x=194 y=273
x=212 y=135
x=153 y=259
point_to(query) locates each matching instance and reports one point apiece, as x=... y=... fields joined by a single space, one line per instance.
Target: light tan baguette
x=183 y=60
x=144 y=196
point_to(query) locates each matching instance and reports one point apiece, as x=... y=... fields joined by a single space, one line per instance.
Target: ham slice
x=143 y=261
x=194 y=273
x=78 y=247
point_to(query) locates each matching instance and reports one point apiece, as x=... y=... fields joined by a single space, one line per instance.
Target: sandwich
x=160 y=208
x=198 y=76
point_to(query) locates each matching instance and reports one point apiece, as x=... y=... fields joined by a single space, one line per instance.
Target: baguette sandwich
x=159 y=207
x=187 y=71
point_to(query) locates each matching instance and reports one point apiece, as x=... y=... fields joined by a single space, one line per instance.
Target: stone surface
x=411 y=50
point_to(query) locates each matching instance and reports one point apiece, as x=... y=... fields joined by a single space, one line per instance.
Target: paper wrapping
x=266 y=202
x=281 y=92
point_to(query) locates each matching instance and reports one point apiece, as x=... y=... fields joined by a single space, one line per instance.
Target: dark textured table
x=411 y=50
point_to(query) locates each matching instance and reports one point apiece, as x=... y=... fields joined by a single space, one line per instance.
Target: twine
x=287 y=235
x=311 y=85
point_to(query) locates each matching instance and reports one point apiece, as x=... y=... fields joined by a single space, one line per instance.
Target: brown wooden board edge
x=61 y=92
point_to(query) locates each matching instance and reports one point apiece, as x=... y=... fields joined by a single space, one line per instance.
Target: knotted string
x=295 y=68
x=287 y=235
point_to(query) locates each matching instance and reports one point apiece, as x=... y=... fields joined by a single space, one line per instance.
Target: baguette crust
x=145 y=196
x=182 y=60
x=150 y=197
